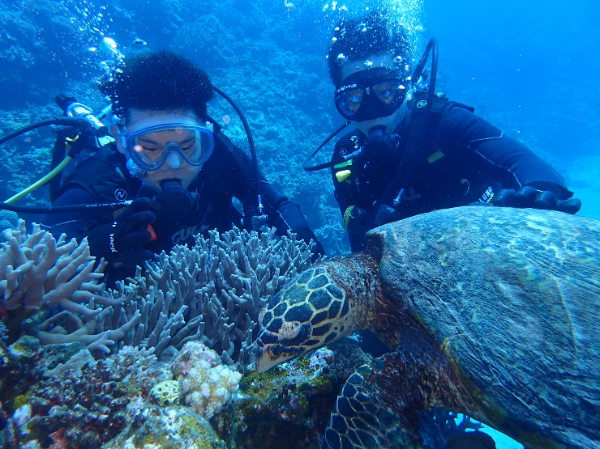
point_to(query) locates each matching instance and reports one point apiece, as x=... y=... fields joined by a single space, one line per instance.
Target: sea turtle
x=492 y=312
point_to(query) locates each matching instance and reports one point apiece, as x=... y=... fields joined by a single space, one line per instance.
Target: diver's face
x=386 y=61
x=174 y=166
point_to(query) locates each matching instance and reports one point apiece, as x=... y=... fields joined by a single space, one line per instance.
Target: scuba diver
x=414 y=151
x=170 y=163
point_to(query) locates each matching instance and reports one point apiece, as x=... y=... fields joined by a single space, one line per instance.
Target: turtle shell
x=513 y=298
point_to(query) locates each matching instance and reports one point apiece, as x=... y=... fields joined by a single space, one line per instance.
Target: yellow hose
x=41 y=182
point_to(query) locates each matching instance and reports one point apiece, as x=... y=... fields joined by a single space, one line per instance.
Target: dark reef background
x=529 y=67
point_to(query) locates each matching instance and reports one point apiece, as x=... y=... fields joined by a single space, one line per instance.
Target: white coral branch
x=36 y=270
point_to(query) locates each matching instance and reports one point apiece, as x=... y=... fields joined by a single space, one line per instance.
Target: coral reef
x=39 y=273
x=256 y=62
x=212 y=293
x=289 y=406
x=175 y=428
x=206 y=383
x=61 y=392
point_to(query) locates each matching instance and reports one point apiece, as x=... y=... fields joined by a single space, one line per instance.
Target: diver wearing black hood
x=414 y=152
x=180 y=170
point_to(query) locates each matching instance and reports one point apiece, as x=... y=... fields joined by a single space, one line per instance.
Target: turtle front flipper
x=381 y=403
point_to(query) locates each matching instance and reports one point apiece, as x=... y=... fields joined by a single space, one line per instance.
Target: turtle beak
x=273 y=354
x=263 y=361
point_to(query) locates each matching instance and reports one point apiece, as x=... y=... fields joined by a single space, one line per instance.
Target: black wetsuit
x=464 y=159
x=104 y=178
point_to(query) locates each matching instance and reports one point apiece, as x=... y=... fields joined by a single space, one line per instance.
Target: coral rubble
x=175 y=428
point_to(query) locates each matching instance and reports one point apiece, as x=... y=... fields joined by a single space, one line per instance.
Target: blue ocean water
x=527 y=67
x=530 y=67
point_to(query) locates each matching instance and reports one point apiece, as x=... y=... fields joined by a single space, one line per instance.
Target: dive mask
x=150 y=147
x=370 y=94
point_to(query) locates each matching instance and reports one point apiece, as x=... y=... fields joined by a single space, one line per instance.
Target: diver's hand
x=121 y=243
x=529 y=197
x=386 y=214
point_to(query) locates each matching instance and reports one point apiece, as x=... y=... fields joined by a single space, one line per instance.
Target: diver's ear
x=114 y=131
x=117 y=127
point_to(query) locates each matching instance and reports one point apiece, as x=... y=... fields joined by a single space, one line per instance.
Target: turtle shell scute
x=302 y=335
x=305 y=277
x=334 y=309
x=267 y=319
x=302 y=313
x=318 y=282
x=318 y=318
x=335 y=291
x=280 y=309
x=320 y=299
x=321 y=330
x=275 y=325
x=296 y=294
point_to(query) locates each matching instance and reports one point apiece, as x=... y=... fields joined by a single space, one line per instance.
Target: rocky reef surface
x=61 y=396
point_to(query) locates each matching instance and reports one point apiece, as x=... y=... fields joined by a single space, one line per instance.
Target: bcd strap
x=422 y=136
x=421 y=119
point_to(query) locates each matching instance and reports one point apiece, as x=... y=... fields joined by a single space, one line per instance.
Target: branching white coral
x=212 y=292
x=37 y=271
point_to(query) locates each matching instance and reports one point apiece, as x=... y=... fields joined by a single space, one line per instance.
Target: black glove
x=121 y=243
x=529 y=197
x=386 y=214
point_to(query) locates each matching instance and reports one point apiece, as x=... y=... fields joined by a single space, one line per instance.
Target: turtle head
x=308 y=313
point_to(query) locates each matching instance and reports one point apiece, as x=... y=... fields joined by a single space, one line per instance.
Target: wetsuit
x=104 y=178
x=463 y=160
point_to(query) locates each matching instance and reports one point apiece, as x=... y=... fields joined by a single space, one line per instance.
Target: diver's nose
x=173 y=160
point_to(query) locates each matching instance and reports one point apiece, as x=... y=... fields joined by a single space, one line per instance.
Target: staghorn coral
x=38 y=272
x=210 y=293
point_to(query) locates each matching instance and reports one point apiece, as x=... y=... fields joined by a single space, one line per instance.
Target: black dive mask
x=379 y=147
x=174 y=201
x=370 y=94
